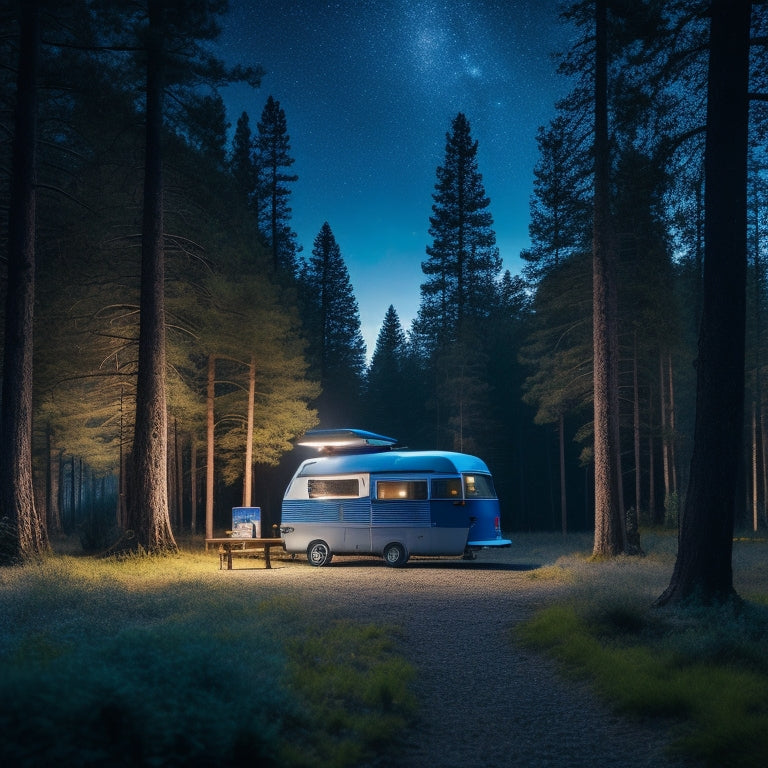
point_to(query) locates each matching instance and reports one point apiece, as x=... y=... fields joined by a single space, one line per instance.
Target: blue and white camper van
x=362 y=497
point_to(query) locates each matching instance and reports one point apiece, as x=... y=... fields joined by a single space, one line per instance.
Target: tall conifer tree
x=463 y=261
x=337 y=349
x=273 y=146
x=386 y=396
x=241 y=164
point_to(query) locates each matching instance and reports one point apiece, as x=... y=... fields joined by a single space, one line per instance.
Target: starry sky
x=369 y=89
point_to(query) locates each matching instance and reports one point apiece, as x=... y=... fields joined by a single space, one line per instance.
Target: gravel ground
x=484 y=701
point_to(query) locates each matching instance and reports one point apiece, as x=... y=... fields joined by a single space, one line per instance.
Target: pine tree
x=171 y=27
x=273 y=145
x=458 y=296
x=387 y=396
x=332 y=322
x=241 y=164
x=560 y=205
x=463 y=261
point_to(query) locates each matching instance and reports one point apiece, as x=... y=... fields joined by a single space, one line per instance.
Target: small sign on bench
x=246 y=522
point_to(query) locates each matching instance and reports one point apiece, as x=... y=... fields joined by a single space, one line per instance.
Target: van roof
x=445 y=462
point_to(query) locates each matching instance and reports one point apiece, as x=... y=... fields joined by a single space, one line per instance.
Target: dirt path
x=485 y=702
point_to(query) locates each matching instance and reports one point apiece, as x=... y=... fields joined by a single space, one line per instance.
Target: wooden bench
x=230 y=546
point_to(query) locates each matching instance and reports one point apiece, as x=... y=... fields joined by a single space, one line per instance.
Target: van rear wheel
x=319 y=553
x=395 y=555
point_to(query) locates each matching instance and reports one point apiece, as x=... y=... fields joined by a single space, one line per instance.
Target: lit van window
x=347 y=488
x=446 y=488
x=401 y=489
x=479 y=487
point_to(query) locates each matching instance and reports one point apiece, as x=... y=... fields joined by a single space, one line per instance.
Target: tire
x=395 y=555
x=319 y=553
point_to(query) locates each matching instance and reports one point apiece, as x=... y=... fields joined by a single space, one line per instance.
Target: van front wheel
x=395 y=555
x=319 y=553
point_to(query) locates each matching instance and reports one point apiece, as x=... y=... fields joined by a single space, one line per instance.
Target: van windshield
x=478 y=487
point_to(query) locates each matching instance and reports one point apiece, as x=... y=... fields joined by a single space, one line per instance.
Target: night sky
x=369 y=89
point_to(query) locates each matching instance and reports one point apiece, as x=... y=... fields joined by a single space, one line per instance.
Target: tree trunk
x=755 y=467
x=149 y=515
x=193 y=483
x=563 y=494
x=17 y=499
x=672 y=427
x=703 y=568
x=248 y=469
x=664 y=440
x=178 y=442
x=610 y=531
x=209 y=441
x=52 y=508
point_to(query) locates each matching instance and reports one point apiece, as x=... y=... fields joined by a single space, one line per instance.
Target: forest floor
x=484 y=700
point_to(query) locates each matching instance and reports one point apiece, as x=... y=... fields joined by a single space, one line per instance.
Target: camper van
x=360 y=496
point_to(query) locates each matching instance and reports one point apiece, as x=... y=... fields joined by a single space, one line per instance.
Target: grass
x=703 y=672
x=151 y=661
x=122 y=662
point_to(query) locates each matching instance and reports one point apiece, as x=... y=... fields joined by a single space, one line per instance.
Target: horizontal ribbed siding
x=331 y=511
x=401 y=513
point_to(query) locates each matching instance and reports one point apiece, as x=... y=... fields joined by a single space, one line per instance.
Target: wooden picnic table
x=230 y=544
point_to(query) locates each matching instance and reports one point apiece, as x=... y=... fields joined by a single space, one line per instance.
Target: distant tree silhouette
x=241 y=163
x=273 y=145
x=387 y=392
x=463 y=261
x=560 y=203
x=458 y=295
x=332 y=321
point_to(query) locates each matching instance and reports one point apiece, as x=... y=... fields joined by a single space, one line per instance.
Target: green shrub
x=160 y=662
x=702 y=670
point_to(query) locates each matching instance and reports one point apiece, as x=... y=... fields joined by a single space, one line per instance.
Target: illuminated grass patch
x=156 y=662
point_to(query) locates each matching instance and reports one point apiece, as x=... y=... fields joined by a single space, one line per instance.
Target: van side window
x=446 y=488
x=346 y=488
x=401 y=489
x=479 y=487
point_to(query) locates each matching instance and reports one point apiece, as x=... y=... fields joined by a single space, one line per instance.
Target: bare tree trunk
x=193 y=483
x=209 y=440
x=703 y=568
x=664 y=436
x=763 y=462
x=53 y=513
x=17 y=498
x=248 y=469
x=672 y=427
x=610 y=530
x=563 y=493
x=651 y=464
x=754 y=435
x=758 y=449
x=149 y=514
x=636 y=426
x=179 y=476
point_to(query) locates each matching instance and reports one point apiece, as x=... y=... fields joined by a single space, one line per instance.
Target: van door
x=356 y=521
x=448 y=505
